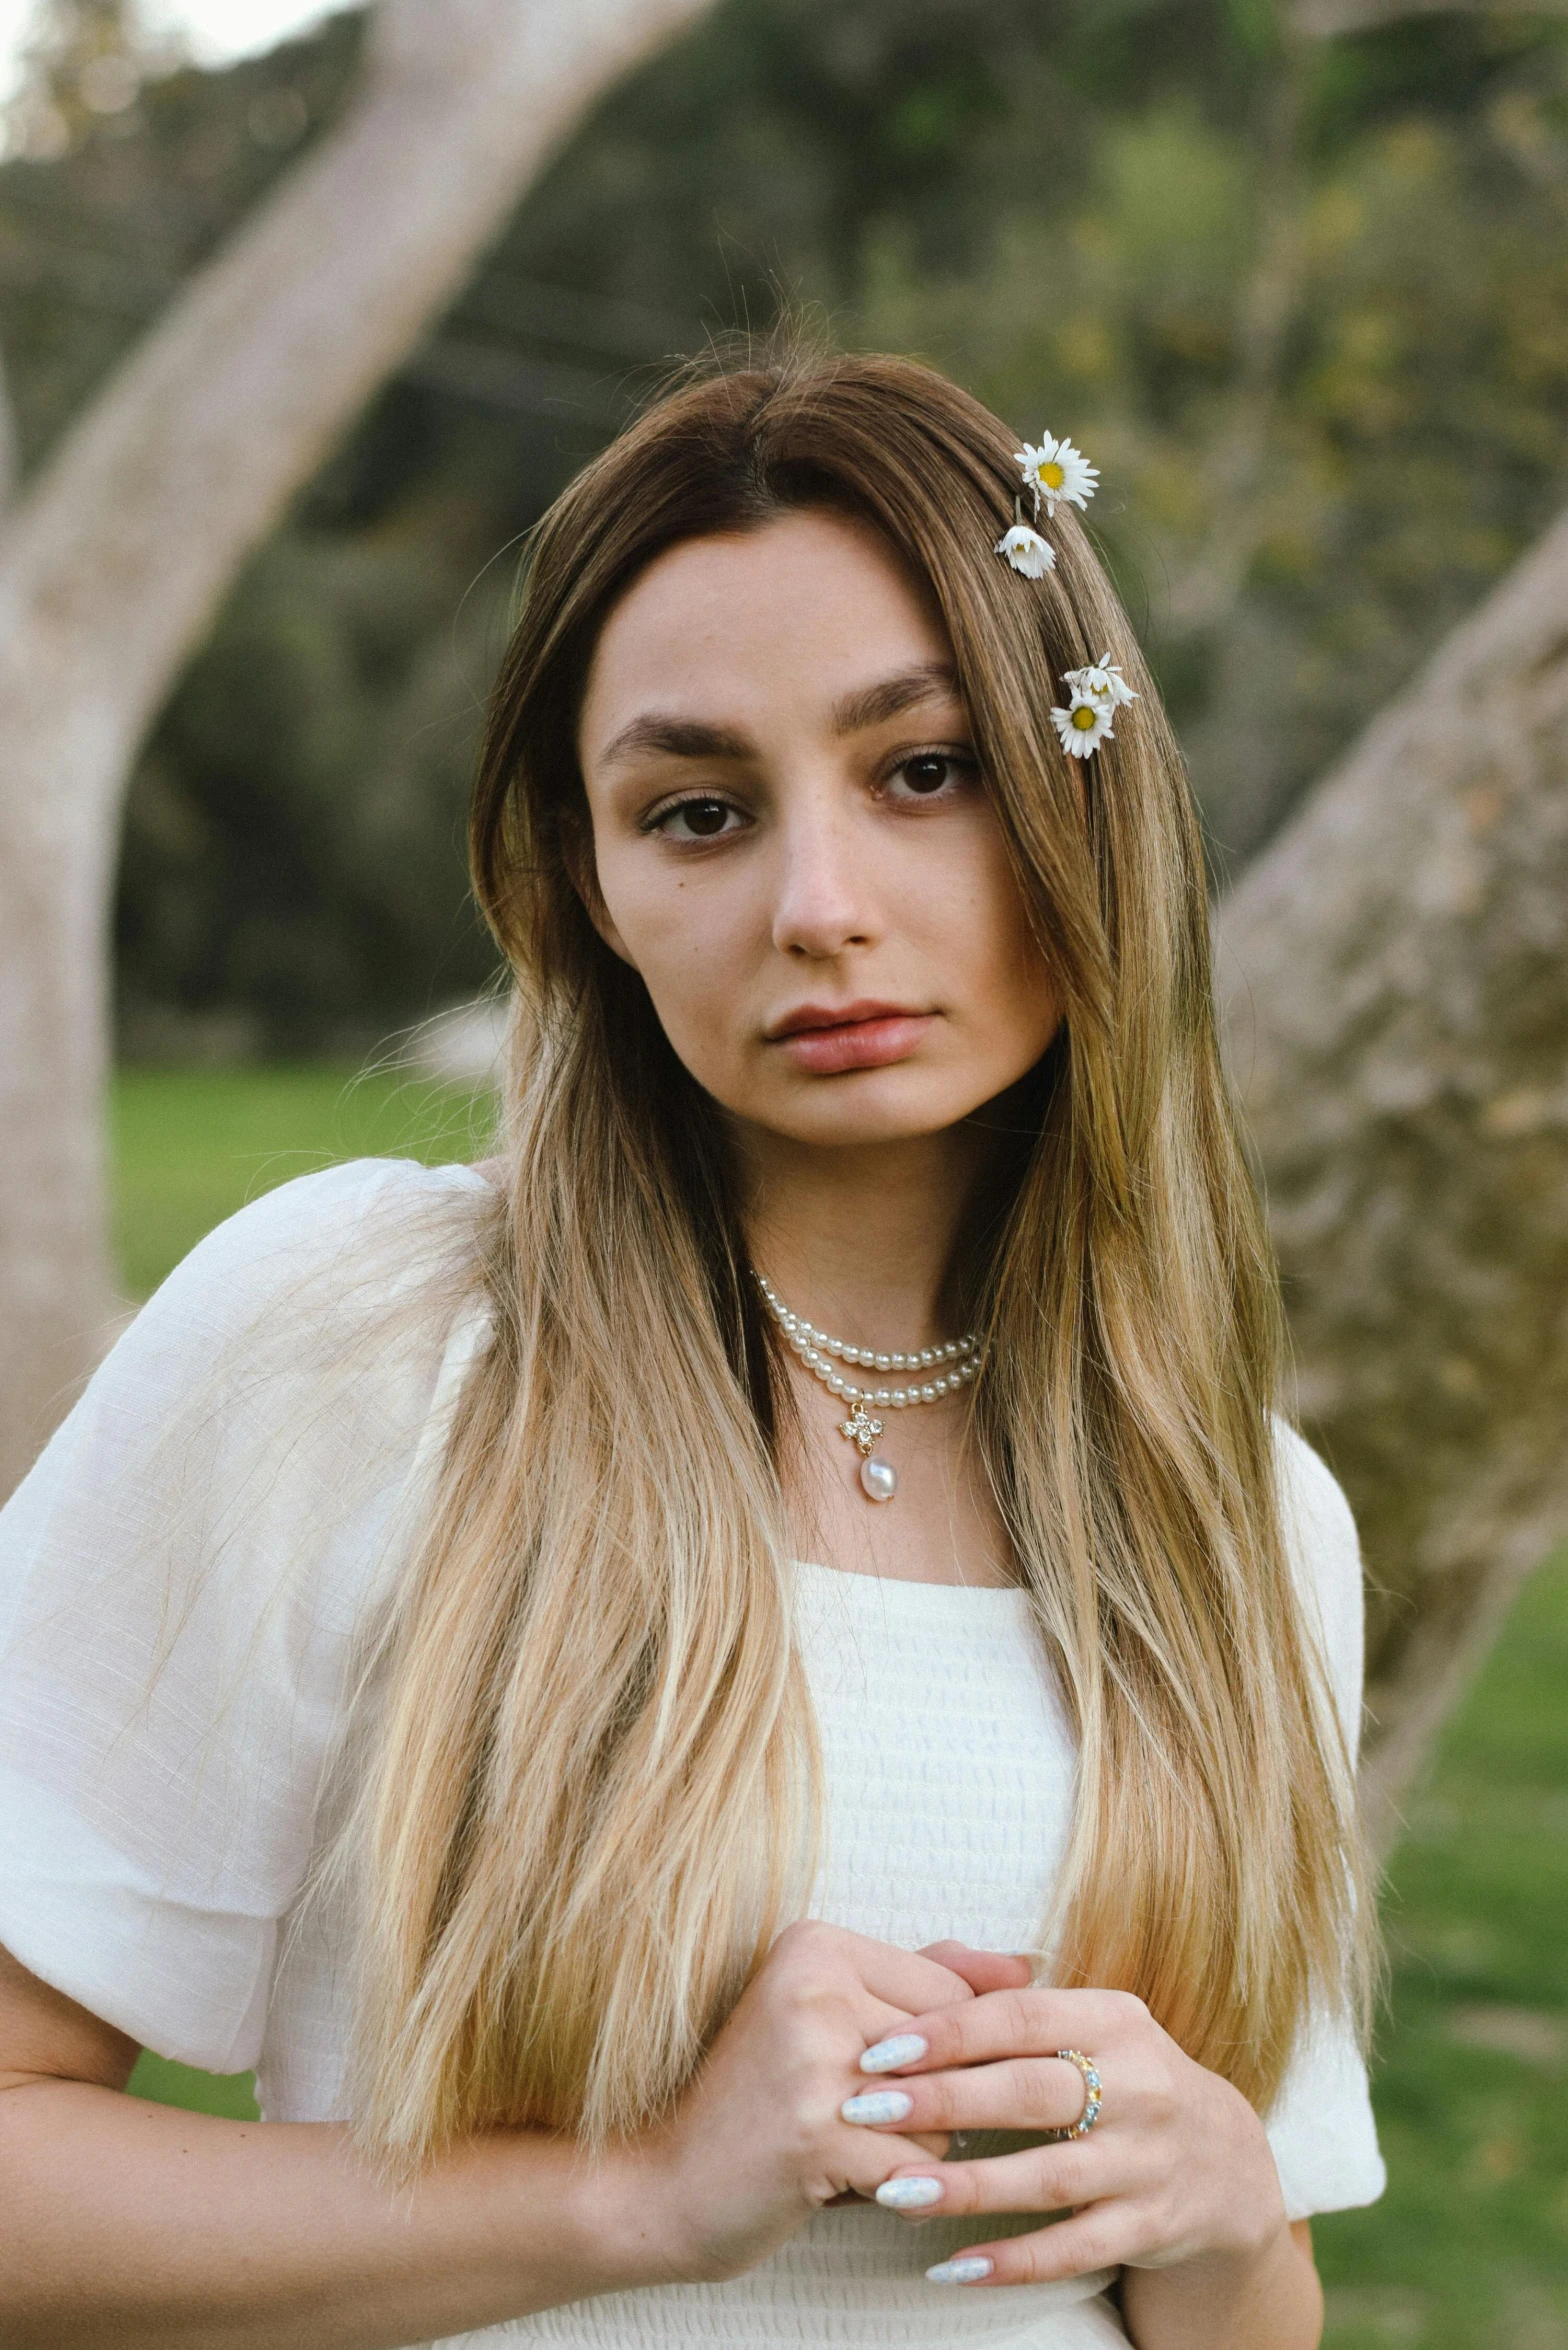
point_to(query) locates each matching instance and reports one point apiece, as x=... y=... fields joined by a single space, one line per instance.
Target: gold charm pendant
x=878 y=1478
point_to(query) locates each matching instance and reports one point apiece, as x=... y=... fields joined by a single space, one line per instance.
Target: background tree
x=120 y=547
x=1394 y=972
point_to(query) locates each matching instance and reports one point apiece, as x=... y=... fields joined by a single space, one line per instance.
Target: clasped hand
x=1177 y=2168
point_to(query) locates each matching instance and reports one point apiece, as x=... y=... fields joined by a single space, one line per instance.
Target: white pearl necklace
x=820 y=1353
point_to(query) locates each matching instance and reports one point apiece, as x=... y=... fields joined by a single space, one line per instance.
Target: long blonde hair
x=593 y=1800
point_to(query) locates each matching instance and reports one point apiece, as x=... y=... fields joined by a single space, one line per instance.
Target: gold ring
x=1091 y=2095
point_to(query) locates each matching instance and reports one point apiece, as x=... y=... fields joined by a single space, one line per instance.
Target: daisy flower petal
x=1121 y=691
x=1027 y=551
x=1083 y=726
x=1102 y=682
x=1054 y=470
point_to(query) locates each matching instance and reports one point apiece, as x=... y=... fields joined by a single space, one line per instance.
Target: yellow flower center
x=1084 y=719
x=1051 y=475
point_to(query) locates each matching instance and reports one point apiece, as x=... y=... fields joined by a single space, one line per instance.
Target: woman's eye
x=696 y=820
x=928 y=772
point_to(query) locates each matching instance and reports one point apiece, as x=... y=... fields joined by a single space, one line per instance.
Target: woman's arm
x=129 y=2226
x=141 y=2226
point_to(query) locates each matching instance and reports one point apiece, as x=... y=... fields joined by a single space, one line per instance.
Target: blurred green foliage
x=1307 y=305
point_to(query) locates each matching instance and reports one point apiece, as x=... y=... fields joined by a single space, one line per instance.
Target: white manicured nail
x=967 y=2271
x=877 y=2105
x=910 y=2194
x=890 y=2056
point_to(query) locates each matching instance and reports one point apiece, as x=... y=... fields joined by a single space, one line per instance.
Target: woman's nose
x=826 y=889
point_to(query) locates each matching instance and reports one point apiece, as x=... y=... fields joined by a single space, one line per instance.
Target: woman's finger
x=819 y=1958
x=861 y=2162
x=1015 y=2093
x=982 y=1970
x=1040 y=2178
x=933 y=2149
x=1016 y=2022
x=1087 y=2243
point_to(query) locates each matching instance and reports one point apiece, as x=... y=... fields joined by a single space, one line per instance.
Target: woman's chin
x=861 y=1109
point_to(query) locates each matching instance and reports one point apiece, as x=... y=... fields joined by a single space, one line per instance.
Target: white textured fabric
x=188 y=1581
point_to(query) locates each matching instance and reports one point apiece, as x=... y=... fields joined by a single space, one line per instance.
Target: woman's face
x=793 y=843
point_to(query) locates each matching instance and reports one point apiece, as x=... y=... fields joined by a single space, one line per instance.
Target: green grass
x=1469 y=2248
x=192 y=1145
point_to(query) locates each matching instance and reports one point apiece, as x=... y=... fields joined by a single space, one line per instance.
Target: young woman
x=587 y=1670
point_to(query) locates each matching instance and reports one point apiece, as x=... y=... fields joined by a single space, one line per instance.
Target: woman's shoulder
x=300 y=1273
x=294 y=1350
x=339 y=1228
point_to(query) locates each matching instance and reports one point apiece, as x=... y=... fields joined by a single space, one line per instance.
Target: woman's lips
x=871 y=1043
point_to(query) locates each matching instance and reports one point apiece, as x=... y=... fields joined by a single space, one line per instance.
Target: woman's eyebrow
x=873 y=705
x=676 y=738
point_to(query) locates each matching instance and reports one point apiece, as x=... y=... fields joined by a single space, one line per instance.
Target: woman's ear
x=576 y=837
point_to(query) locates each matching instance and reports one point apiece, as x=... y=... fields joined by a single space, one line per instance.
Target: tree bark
x=115 y=558
x=1393 y=975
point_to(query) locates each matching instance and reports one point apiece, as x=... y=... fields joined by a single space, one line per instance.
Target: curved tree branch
x=115 y=558
x=1325 y=20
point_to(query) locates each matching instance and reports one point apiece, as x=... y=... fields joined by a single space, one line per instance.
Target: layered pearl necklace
x=821 y=1356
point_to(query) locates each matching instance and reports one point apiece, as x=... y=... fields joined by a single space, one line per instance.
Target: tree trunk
x=1394 y=984
x=113 y=562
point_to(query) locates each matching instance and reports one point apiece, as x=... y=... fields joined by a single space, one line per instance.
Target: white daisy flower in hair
x=1027 y=551
x=1056 y=470
x=1083 y=725
x=1102 y=682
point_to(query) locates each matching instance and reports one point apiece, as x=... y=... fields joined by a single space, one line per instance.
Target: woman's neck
x=861 y=1240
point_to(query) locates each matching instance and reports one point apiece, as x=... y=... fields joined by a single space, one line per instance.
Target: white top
x=188 y=1578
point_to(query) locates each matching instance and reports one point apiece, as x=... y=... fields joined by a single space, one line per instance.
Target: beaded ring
x=1091 y=2095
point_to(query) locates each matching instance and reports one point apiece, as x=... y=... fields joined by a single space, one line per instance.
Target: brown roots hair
x=593 y=1804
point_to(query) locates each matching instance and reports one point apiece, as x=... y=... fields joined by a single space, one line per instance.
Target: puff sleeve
x=186 y=1578
x=1321 y=2126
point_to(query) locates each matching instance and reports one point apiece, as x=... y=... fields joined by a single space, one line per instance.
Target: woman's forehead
x=814 y=607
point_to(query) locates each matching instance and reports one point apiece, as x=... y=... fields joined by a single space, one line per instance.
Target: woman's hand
x=759 y=2142
x=1175 y=2173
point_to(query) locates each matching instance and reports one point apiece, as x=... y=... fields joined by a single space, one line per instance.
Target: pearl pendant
x=879 y=1479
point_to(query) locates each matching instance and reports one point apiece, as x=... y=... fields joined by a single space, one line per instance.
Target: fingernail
x=889 y=2056
x=877 y=2105
x=909 y=2194
x=967 y=2271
